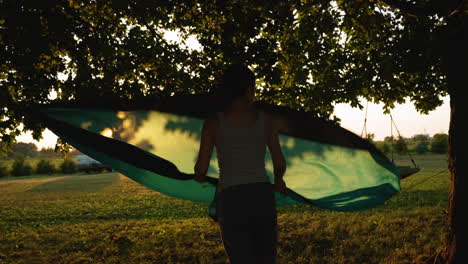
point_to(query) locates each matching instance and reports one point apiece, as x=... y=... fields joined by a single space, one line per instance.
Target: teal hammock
x=157 y=145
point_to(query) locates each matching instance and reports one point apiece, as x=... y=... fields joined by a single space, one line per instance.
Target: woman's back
x=240 y=147
x=240 y=118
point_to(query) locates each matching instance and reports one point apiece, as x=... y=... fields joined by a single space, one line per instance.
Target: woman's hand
x=200 y=178
x=280 y=186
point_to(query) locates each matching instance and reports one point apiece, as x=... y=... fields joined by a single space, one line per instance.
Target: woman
x=246 y=203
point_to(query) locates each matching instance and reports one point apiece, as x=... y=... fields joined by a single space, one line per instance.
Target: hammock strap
x=399 y=136
x=391 y=136
x=364 y=128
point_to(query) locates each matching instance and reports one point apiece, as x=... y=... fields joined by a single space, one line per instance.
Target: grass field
x=108 y=218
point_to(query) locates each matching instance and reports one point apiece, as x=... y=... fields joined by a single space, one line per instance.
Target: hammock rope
x=406 y=147
x=392 y=124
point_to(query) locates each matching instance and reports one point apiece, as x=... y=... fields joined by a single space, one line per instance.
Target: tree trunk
x=457 y=71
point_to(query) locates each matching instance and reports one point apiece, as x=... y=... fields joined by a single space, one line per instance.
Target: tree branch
x=426 y=8
x=404 y=8
x=150 y=28
x=462 y=6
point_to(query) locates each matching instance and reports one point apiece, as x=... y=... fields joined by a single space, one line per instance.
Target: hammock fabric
x=157 y=145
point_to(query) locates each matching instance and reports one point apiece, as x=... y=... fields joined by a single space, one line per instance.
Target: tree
x=400 y=146
x=24 y=149
x=421 y=148
x=370 y=137
x=421 y=139
x=307 y=55
x=20 y=167
x=45 y=167
x=439 y=143
x=389 y=140
x=49 y=153
x=383 y=146
x=68 y=166
x=3 y=171
x=421 y=143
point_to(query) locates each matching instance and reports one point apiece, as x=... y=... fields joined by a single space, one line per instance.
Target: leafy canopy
x=306 y=54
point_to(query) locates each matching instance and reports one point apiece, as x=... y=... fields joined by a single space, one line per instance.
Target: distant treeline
x=25 y=159
x=21 y=149
x=420 y=144
x=22 y=167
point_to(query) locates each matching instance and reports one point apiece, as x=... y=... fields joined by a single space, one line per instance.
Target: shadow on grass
x=401 y=201
x=417 y=198
x=78 y=183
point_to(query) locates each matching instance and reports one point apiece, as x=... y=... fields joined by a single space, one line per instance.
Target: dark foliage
x=68 y=166
x=21 y=168
x=45 y=167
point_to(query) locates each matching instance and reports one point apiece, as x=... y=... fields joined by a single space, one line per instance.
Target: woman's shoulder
x=270 y=122
x=212 y=122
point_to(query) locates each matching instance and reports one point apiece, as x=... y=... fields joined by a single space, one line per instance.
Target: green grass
x=108 y=218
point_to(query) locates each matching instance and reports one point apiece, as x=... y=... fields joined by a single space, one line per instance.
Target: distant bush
x=399 y=146
x=20 y=167
x=439 y=143
x=68 y=166
x=45 y=167
x=383 y=147
x=422 y=148
x=3 y=171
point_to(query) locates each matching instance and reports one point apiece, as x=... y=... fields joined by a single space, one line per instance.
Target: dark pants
x=247 y=216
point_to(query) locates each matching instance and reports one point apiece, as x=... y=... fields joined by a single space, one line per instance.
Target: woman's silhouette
x=246 y=203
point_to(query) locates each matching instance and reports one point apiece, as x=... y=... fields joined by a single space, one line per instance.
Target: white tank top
x=241 y=153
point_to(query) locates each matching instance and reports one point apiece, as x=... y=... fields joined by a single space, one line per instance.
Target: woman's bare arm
x=279 y=163
x=206 y=149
